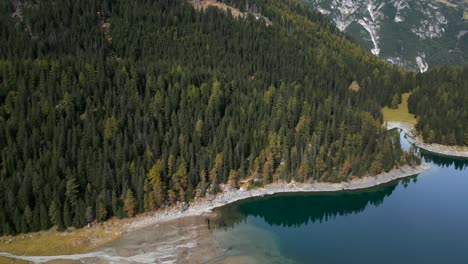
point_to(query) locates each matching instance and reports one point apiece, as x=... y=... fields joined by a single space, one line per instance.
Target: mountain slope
x=111 y=108
x=416 y=34
x=440 y=103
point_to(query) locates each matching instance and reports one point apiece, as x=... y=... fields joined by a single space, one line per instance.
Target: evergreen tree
x=55 y=216
x=94 y=122
x=130 y=203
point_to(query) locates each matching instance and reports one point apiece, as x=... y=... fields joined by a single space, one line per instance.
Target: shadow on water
x=295 y=210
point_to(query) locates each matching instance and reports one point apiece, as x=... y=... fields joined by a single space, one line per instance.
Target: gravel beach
x=408 y=129
x=229 y=196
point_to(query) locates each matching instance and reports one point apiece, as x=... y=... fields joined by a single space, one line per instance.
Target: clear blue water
x=421 y=219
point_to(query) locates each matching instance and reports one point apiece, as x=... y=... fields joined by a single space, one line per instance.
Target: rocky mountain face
x=416 y=34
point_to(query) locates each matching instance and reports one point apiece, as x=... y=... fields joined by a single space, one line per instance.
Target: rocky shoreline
x=450 y=151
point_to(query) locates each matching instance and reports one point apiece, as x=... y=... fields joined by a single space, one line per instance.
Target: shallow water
x=421 y=219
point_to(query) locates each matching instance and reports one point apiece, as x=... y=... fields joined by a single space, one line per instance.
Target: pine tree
x=71 y=190
x=395 y=102
x=89 y=214
x=44 y=219
x=67 y=215
x=101 y=211
x=215 y=172
x=233 y=178
x=55 y=215
x=155 y=187
x=180 y=181
x=268 y=169
x=28 y=217
x=111 y=128
x=130 y=203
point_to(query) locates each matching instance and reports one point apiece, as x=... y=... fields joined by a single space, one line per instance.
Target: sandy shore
x=408 y=129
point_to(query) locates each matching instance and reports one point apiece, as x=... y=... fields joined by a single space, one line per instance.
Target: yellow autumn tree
x=214 y=172
x=154 y=187
x=130 y=203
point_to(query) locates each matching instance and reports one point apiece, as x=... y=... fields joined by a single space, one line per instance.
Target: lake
x=421 y=219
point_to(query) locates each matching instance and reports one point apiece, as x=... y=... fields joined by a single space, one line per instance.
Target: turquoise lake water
x=420 y=219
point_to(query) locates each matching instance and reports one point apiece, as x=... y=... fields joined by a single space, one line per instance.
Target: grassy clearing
x=401 y=114
x=69 y=242
x=4 y=260
x=465 y=15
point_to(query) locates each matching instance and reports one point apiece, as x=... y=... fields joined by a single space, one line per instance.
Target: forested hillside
x=441 y=104
x=110 y=108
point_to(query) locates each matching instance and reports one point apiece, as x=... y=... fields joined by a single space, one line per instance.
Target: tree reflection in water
x=295 y=210
x=444 y=162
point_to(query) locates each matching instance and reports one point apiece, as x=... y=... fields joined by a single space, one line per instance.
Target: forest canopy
x=441 y=104
x=111 y=107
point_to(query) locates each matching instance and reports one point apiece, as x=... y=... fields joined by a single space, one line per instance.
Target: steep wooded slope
x=110 y=108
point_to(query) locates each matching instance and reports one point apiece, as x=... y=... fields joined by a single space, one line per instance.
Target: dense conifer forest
x=112 y=107
x=441 y=103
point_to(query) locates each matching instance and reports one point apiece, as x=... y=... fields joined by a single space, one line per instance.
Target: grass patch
x=401 y=114
x=57 y=243
x=4 y=260
x=465 y=15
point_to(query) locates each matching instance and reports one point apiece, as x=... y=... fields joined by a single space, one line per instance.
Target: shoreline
x=204 y=206
x=448 y=151
x=230 y=196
